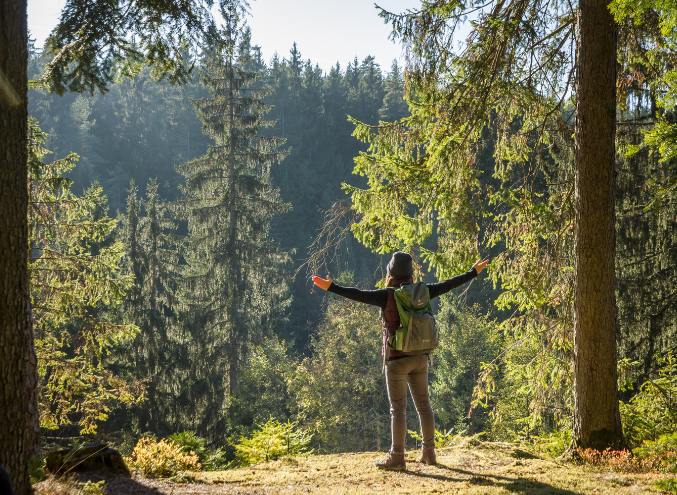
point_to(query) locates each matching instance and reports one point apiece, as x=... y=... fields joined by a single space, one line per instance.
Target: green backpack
x=417 y=333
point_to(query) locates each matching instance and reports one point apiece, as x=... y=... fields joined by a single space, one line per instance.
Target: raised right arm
x=377 y=297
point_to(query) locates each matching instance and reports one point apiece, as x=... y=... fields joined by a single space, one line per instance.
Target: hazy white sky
x=325 y=31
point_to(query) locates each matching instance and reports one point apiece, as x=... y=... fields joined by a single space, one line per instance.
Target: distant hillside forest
x=143 y=129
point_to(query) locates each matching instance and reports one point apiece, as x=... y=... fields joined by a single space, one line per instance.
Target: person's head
x=400 y=270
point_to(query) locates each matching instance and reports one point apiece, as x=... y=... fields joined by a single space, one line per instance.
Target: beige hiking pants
x=412 y=371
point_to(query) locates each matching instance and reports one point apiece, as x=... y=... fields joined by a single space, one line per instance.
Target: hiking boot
x=428 y=457
x=393 y=462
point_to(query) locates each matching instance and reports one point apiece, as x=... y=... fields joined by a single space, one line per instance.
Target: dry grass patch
x=464 y=469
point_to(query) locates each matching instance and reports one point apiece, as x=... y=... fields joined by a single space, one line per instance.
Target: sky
x=325 y=31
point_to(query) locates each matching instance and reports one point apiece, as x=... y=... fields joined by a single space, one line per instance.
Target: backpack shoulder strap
x=400 y=297
x=390 y=303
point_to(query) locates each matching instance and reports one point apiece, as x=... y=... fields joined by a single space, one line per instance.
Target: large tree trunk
x=15 y=441
x=596 y=415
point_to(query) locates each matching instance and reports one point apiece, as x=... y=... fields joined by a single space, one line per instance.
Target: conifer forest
x=167 y=193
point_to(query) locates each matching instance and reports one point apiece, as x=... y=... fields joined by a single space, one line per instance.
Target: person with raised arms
x=402 y=365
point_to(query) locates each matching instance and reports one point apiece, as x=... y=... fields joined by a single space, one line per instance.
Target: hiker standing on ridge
x=402 y=368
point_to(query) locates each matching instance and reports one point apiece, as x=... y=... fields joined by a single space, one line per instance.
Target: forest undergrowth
x=469 y=467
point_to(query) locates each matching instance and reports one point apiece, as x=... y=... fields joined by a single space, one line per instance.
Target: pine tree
x=424 y=177
x=597 y=420
x=394 y=103
x=370 y=91
x=233 y=286
x=74 y=278
x=17 y=443
x=152 y=259
x=295 y=71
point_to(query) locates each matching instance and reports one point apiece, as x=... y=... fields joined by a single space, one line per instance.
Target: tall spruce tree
x=153 y=260
x=74 y=279
x=597 y=419
x=233 y=286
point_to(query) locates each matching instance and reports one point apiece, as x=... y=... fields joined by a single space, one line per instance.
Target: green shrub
x=161 y=459
x=36 y=469
x=263 y=388
x=441 y=439
x=470 y=340
x=667 y=486
x=660 y=453
x=91 y=488
x=653 y=411
x=554 y=444
x=211 y=460
x=338 y=392
x=273 y=440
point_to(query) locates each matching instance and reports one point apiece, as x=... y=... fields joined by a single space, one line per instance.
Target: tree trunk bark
x=15 y=441
x=33 y=417
x=596 y=415
x=232 y=220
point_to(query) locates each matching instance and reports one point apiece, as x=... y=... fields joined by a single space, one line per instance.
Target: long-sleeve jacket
x=380 y=298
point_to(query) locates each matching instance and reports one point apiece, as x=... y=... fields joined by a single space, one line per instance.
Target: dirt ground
x=485 y=468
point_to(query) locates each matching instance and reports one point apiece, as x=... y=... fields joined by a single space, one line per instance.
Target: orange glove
x=479 y=265
x=322 y=283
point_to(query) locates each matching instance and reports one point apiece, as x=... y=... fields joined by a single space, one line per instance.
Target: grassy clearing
x=485 y=468
x=464 y=469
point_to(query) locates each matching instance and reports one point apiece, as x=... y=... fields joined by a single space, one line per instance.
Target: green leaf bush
x=36 y=468
x=441 y=439
x=661 y=453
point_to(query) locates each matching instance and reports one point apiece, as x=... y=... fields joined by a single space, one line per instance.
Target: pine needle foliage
x=651 y=31
x=74 y=277
x=99 y=42
x=484 y=164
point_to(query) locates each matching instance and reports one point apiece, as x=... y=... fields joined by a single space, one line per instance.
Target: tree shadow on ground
x=124 y=484
x=116 y=483
x=514 y=485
